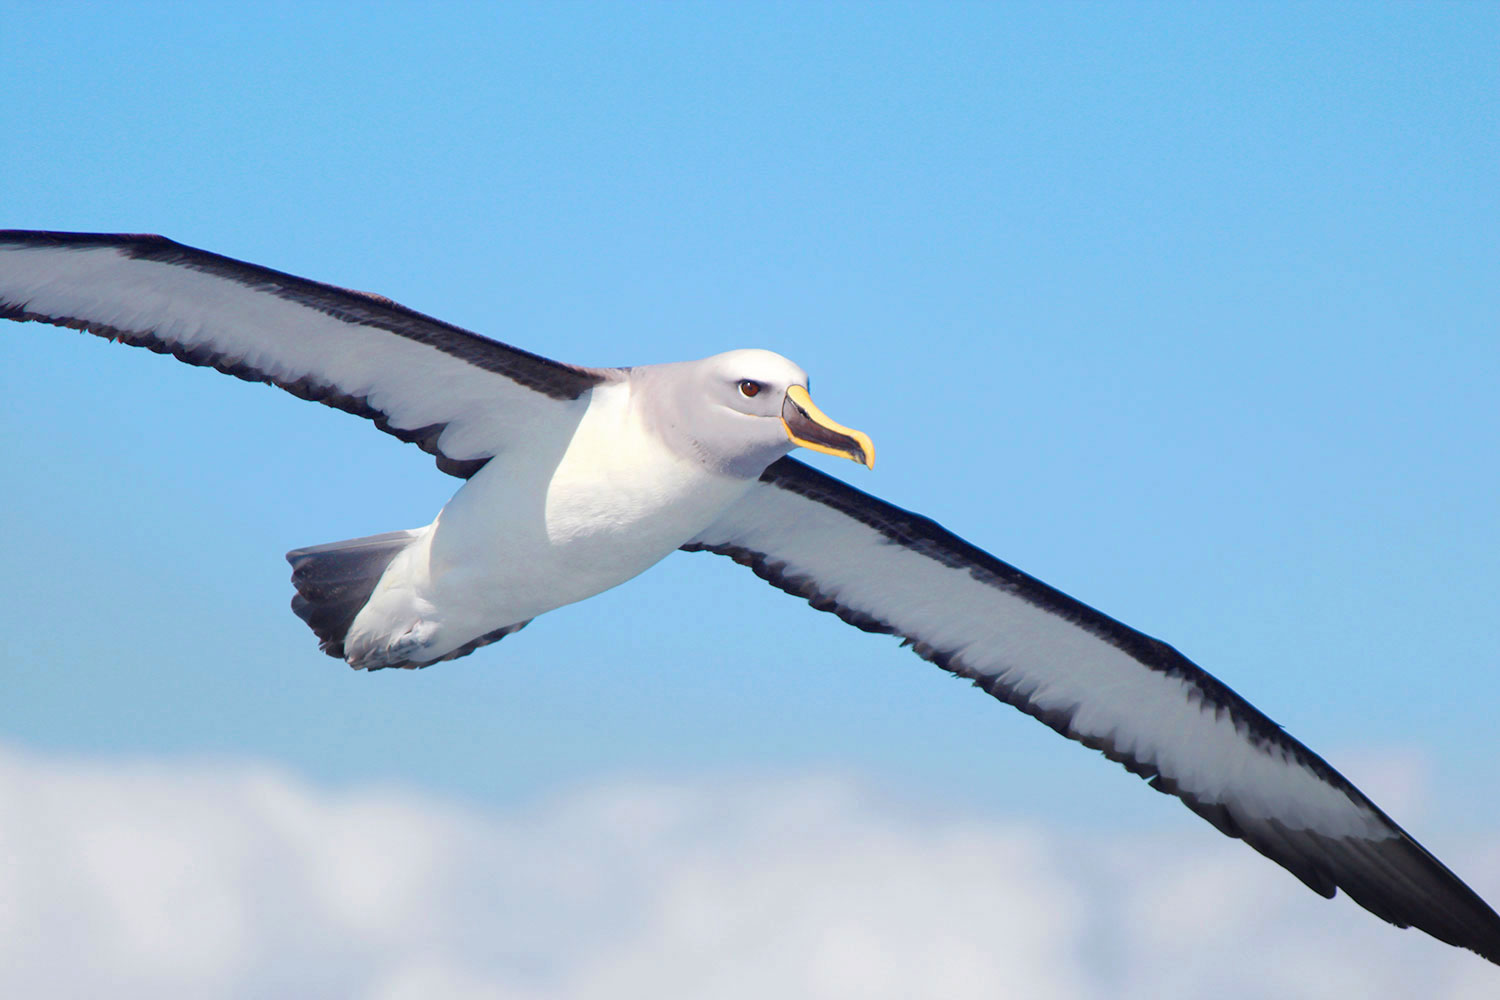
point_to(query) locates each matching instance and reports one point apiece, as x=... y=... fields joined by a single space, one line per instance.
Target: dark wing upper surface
x=455 y=394
x=1097 y=681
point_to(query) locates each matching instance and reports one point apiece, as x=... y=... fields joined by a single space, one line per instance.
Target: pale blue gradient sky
x=1190 y=311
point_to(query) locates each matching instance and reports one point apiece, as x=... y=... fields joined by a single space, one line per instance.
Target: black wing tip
x=1401 y=882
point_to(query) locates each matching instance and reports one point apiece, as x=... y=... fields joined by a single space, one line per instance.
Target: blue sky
x=1191 y=312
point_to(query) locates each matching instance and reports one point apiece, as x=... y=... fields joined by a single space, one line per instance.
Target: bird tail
x=334 y=582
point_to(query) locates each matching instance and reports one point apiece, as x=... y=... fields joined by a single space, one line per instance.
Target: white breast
x=620 y=494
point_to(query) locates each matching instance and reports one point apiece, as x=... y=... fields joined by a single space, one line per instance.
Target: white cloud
x=168 y=879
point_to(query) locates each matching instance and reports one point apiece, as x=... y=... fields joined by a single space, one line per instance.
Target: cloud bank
x=229 y=880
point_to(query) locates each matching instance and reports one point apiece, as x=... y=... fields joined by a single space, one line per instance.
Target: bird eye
x=749 y=388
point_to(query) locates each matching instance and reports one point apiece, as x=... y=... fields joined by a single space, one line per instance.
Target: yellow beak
x=810 y=427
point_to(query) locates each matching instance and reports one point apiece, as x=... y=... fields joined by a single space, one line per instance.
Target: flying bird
x=577 y=479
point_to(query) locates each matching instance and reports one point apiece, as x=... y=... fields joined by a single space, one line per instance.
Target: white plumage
x=557 y=516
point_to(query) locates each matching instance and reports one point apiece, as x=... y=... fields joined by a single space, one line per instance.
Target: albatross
x=576 y=479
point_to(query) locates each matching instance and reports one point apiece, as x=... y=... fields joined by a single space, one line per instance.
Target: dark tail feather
x=334 y=581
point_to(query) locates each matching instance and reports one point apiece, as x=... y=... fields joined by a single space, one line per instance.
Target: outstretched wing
x=454 y=394
x=1097 y=681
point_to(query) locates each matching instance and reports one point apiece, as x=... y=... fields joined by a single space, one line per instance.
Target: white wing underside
x=1096 y=681
x=456 y=394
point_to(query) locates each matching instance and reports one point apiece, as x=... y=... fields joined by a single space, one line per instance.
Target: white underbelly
x=495 y=549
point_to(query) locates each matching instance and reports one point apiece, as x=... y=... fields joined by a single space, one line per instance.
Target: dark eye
x=749 y=388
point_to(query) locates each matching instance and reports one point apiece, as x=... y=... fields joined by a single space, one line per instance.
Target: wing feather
x=455 y=394
x=1095 y=680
